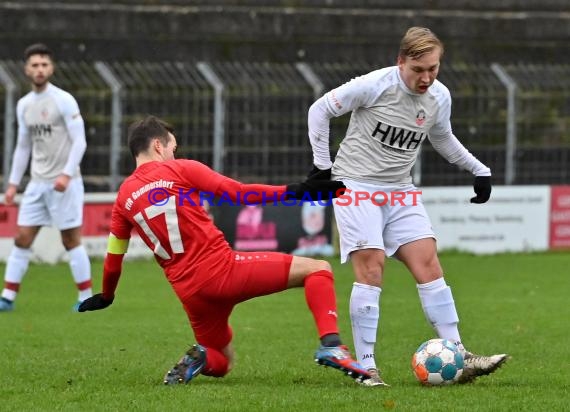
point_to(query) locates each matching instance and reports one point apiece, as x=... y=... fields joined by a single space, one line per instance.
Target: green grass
x=54 y=360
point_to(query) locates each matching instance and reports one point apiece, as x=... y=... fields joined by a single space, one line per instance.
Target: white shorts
x=41 y=205
x=391 y=217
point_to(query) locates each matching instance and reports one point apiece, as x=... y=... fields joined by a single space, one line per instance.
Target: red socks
x=321 y=298
x=216 y=363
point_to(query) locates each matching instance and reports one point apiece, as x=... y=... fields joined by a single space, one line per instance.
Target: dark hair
x=142 y=132
x=37 y=48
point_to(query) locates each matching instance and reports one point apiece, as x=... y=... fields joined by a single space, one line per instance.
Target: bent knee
x=322 y=265
x=368 y=266
x=306 y=265
x=427 y=276
x=428 y=269
x=230 y=367
x=23 y=241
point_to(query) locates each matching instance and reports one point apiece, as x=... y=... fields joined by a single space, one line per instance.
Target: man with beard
x=51 y=132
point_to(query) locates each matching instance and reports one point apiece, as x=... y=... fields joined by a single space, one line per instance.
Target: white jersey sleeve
x=447 y=145
x=76 y=131
x=351 y=95
x=23 y=148
x=318 y=122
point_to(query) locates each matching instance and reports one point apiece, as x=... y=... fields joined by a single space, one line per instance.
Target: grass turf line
x=53 y=359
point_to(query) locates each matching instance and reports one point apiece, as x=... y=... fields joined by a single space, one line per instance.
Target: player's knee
x=230 y=367
x=304 y=268
x=23 y=241
x=323 y=265
x=369 y=272
x=229 y=354
x=319 y=274
x=431 y=261
x=430 y=269
x=68 y=245
x=71 y=238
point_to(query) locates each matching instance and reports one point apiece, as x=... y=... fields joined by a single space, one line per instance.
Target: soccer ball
x=437 y=362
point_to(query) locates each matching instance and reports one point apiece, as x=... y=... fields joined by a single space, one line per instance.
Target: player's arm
x=207 y=180
x=113 y=265
x=112 y=268
x=455 y=153
x=450 y=148
x=21 y=157
x=336 y=102
x=76 y=131
x=117 y=246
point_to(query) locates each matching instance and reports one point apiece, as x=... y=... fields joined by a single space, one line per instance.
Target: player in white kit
x=394 y=110
x=52 y=133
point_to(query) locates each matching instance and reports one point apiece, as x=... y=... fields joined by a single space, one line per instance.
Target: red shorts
x=252 y=274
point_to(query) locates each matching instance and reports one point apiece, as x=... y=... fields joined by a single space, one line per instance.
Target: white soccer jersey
x=51 y=129
x=387 y=126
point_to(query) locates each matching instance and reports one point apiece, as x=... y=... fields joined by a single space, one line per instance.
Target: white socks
x=439 y=308
x=437 y=302
x=18 y=263
x=364 y=316
x=16 y=268
x=81 y=271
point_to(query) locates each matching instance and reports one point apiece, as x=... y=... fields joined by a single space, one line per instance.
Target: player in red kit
x=161 y=200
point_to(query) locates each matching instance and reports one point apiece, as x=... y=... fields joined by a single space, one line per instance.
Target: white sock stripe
x=433 y=285
x=369 y=287
x=9 y=294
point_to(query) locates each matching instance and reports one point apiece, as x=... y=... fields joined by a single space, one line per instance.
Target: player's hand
x=61 y=183
x=10 y=194
x=482 y=188
x=95 y=302
x=318 y=174
x=316 y=189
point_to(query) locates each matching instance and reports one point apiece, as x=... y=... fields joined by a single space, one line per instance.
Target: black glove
x=318 y=174
x=315 y=189
x=482 y=188
x=95 y=302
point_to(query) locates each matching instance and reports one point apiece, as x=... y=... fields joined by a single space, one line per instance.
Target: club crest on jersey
x=420 y=117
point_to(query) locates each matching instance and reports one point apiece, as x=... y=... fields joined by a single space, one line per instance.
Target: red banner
x=96 y=220
x=560 y=217
x=8 y=220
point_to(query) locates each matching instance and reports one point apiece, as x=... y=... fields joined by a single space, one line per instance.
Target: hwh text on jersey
x=39 y=129
x=398 y=137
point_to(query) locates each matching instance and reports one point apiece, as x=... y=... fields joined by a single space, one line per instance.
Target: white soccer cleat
x=475 y=366
x=374 y=380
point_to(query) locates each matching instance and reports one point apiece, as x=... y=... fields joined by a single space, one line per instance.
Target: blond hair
x=418 y=41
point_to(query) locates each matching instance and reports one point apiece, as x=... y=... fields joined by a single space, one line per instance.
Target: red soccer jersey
x=163 y=202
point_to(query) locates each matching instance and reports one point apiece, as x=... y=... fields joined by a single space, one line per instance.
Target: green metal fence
x=249 y=119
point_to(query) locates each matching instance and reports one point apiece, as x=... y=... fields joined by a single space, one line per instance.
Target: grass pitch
x=113 y=360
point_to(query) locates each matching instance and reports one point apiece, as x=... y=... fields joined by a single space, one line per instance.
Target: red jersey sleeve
x=116 y=248
x=205 y=179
